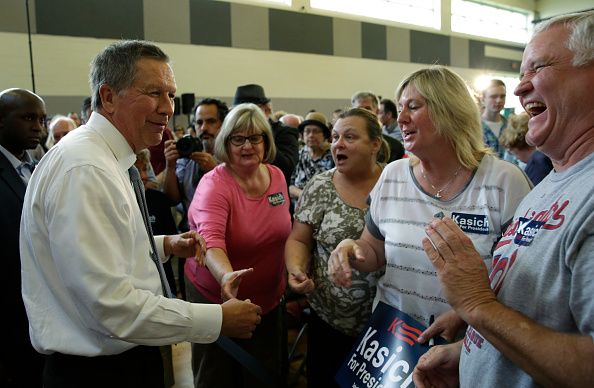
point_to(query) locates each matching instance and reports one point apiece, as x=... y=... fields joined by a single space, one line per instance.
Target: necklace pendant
x=438 y=194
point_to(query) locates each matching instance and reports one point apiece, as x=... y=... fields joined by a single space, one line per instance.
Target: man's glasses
x=238 y=140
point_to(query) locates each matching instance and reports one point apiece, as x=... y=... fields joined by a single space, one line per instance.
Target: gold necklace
x=438 y=192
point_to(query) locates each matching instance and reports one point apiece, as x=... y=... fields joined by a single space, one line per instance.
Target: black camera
x=188 y=144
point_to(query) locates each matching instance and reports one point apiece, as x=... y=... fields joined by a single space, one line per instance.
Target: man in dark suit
x=22 y=119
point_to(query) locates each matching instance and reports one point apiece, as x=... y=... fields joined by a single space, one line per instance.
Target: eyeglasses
x=238 y=140
x=315 y=131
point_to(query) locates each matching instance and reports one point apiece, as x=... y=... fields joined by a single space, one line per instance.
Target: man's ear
x=107 y=96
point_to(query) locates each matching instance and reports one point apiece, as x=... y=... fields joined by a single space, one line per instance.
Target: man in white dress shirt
x=92 y=293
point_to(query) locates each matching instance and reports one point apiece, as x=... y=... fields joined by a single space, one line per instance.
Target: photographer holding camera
x=189 y=158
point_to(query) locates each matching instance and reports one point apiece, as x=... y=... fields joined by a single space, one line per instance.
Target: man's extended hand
x=447 y=325
x=459 y=266
x=240 y=318
x=187 y=244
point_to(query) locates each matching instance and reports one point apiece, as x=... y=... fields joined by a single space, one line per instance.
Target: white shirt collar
x=114 y=138
x=14 y=160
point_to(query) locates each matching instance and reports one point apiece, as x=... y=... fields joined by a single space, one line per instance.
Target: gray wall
x=205 y=23
x=217 y=23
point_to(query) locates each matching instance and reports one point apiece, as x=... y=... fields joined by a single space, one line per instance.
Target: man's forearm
x=550 y=357
x=171 y=185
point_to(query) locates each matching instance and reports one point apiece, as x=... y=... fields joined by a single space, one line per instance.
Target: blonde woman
x=451 y=172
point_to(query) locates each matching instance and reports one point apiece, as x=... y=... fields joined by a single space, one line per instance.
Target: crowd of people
x=428 y=202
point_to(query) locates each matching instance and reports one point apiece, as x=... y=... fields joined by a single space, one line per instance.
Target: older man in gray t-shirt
x=531 y=322
x=544 y=268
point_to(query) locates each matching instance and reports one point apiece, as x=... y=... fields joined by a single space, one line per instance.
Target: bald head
x=10 y=98
x=291 y=120
x=59 y=127
x=22 y=120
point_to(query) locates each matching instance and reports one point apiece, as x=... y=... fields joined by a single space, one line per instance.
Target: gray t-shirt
x=542 y=267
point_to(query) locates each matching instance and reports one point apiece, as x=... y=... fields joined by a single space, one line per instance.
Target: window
x=425 y=13
x=283 y=2
x=511 y=101
x=483 y=20
x=266 y=2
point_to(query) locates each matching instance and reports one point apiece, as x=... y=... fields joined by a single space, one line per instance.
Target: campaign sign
x=385 y=353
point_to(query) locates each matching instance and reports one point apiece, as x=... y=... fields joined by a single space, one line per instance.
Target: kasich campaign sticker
x=472 y=223
x=276 y=199
x=527 y=230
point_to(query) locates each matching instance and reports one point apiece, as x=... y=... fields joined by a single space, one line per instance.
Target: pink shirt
x=252 y=231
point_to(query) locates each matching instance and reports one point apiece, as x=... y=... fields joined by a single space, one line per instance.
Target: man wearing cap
x=285 y=138
x=315 y=156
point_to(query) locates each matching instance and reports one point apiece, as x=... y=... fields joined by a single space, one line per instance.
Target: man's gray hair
x=581 y=33
x=363 y=95
x=116 y=66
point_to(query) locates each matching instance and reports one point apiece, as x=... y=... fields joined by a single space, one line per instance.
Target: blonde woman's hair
x=452 y=110
x=514 y=135
x=249 y=118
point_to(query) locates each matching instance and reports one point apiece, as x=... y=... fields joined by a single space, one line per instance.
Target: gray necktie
x=140 y=198
x=25 y=175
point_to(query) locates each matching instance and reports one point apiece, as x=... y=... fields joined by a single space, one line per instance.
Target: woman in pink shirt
x=241 y=208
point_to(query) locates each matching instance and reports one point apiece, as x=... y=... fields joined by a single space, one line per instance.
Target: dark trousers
x=20 y=365
x=327 y=349
x=213 y=367
x=140 y=366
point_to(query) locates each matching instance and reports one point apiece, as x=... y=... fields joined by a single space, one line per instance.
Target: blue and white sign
x=386 y=353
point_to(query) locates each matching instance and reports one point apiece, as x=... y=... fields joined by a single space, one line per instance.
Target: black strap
x=246 y=360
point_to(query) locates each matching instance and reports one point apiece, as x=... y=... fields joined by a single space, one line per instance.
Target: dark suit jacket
x=396 y=148
x=18 y=360
x=286 y=140
x=162 y=223
x=12 y=192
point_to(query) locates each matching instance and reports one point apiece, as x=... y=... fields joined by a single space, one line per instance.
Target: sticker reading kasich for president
x=472 y=223
x=276 y=199
x=527 y=230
